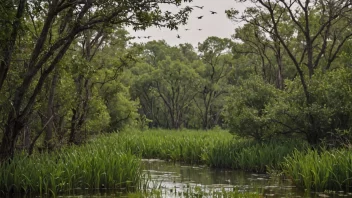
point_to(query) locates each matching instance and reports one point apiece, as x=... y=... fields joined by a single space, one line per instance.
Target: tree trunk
x=312 y=138
x=81 y=110
x=207 y=102
x=17 y=118
x=205 y=119
x=26 y=137
x=7 y=51
x=9 y=139
x=50 y=109
x=72 y=138
x=280 y=80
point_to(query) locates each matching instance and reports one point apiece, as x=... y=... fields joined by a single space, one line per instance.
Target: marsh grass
x=98 y=164
x=320 y=170
x=215 y=148
x=113 y=161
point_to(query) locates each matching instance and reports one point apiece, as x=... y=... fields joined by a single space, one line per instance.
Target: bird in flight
x=186 y=29
x=212 y=12
x=200 y=7
x=200 y=17
x=147 y=37
x=200 y=29
x=178 y=36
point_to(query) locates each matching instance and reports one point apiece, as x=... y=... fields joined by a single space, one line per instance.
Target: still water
x=165 y=179
x=173 y=179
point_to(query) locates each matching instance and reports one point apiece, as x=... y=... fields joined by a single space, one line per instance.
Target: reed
x=98 y=164
x=113 y=161
x=320 y=170
x=184 y=146
x=216 y=148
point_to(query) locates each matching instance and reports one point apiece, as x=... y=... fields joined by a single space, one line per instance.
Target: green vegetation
x=98 y=164
x=320 y=170
x=215 y=148
x=113 y=162
x=74 y=73
x=110 y=162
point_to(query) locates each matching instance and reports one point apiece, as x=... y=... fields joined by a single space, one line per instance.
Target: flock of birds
x=178 y=36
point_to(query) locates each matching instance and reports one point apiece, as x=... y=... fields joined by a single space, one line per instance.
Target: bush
x=246 y=112
x=330 y=110
x=257 y=109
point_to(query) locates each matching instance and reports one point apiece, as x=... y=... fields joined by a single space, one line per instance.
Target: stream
x=175 y=179
x=171 y=180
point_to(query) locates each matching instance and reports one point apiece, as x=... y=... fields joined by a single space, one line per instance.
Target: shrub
x=329 y=114
x=246 y=112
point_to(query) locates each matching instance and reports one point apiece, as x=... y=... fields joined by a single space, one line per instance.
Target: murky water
x=173 y=179
x=178 y=180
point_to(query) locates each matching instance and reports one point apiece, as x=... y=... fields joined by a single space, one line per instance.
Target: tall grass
x=320 y=170
x=184 y=146
x=113 y=161
x=98 y=164
x=217 y=148
x=249 y=155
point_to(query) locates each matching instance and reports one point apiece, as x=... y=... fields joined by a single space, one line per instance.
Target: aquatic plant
x=98 y=164
x=215 y=148
x=320 y=170
x=113 y=161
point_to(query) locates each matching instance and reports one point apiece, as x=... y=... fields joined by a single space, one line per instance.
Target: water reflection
x=172 y=178
x=176 y=180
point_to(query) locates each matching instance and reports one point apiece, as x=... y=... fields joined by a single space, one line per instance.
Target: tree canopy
x=69 y=70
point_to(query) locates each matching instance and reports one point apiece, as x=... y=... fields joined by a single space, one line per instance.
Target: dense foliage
x=99 y=164
x=61 y=65
x=73 y=72
x=215 y=148
x=70 y=71
x=320 y=170
x=113 y=161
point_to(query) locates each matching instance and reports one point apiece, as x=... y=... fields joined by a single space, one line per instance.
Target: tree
x=176 y=85
x=63 y=22
x=166 y=83
x=246 y=109
x=215 y=53
x=11 y=22
x=322 y=28
x=268 y=49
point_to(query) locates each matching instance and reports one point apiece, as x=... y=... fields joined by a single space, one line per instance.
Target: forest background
x=69 y=71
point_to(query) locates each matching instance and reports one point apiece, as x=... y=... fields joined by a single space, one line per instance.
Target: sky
x=211 y=24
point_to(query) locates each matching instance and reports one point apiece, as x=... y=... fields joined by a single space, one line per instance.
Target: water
x=165 y=179
x=175 y=179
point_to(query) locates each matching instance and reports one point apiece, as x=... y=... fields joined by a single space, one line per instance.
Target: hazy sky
x=212 y=25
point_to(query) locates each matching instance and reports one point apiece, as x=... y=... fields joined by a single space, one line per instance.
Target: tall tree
x=166 y=83
x=321 y=30
x=8 y=41
x=63 y=22
x=268 y=50
x=176 y=85
x=215 y=53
